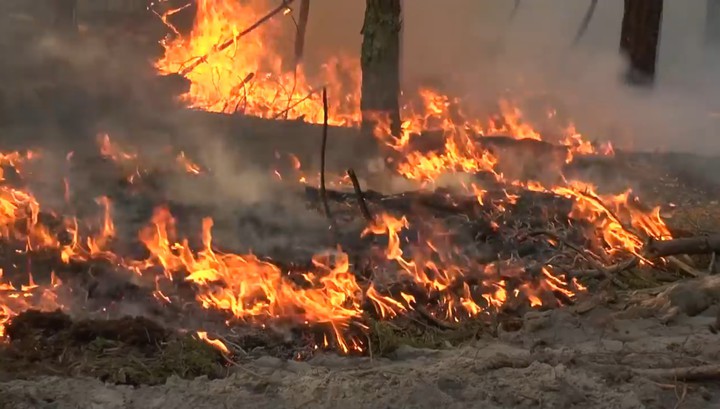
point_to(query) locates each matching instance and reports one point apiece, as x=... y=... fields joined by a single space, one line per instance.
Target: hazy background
x=473 y=45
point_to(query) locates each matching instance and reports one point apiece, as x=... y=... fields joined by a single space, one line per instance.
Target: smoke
x=474 y=48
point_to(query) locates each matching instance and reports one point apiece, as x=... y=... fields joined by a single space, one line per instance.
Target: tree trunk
x=712 y=24
x=640 y=38
x=380 y=62
x=301 y=30
x=65 y=15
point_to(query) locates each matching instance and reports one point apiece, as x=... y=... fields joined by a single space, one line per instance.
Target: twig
x=612 y=269
x=305 y=98
x=323 y=149
x=711 y=266
x=681 y=397
x=585 y=22
x=691 y=373
x=360 y=196
x=433 y=319
x=686 y=268
x=594 y=263
x=243 y=85
x=220 y=47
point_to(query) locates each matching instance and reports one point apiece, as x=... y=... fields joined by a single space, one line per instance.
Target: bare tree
x=380 y=62
x=640 y=38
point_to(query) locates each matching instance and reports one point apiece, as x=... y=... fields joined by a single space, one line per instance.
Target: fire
x=328 y=294
x=188 y=165
x=14 y=300
x=215 y=343
x=439 y=269
x=252 y=289
x=249 y=76
x=616 y=217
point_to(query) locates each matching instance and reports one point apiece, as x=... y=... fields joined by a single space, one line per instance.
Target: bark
x=640 y=38
x=380 y=62
x=712 y=24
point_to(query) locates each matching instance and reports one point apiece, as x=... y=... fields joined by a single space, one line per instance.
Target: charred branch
x=690 y=246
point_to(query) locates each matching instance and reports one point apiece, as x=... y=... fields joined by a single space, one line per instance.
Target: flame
x=250 y=288
x=249 y=76
x=14 y=300
x=215 y=343
x=188 y=165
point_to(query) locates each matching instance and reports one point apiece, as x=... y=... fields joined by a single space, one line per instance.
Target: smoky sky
x=473 y=45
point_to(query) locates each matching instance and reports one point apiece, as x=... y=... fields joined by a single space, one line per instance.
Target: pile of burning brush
x=446 y=257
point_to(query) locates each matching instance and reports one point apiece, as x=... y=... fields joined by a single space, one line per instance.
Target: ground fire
x=499 y=216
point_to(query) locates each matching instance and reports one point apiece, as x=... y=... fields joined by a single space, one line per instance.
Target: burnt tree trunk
x=301 y=30
x=640 y=39
x=712 y=24
x=380 y=62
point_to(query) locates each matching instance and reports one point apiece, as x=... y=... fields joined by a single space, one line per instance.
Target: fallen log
x=690 y=245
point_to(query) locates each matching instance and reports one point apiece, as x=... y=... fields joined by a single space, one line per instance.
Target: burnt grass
x=132 y=351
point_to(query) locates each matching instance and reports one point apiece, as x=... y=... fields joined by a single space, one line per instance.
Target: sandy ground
x=569 y=358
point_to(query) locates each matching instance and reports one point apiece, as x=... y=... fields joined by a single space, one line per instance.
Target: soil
x=568 y=358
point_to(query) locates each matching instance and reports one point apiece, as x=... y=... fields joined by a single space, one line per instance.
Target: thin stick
x=433 y=319
x=609 y=276
x=227 y=43
x=323 y=148
x=360 y=196
x=585 y=22
x=305 y=98
x=693 y=373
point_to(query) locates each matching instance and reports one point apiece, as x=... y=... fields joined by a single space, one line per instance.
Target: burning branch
x=222 y=46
